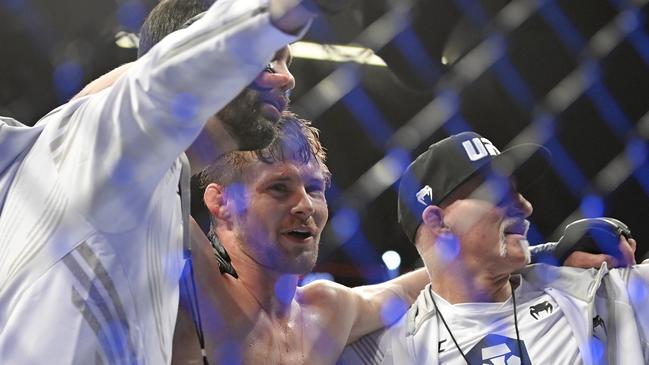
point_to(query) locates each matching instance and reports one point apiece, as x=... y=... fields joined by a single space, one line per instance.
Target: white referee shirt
x=90 y=219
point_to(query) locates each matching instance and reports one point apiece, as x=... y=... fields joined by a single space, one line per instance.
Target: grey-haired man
x=459 y=204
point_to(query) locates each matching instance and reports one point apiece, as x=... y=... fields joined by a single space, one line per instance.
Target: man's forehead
x=259 y=170
x=484 y=187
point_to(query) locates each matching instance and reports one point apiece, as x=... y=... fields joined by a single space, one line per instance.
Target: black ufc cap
x=447 y=164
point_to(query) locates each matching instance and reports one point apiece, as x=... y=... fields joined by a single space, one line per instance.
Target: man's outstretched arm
x=367 y=308
x=381 y=305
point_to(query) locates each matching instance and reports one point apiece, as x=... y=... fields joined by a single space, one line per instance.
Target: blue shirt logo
x=498 y=350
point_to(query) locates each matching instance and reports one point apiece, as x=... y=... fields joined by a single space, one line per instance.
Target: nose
x=520 y=206
x=281 y=78
x=303 y=207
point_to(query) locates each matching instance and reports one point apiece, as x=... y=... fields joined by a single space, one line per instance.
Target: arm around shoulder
x=381 y=305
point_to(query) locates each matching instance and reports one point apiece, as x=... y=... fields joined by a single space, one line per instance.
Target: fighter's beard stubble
x=242 y=118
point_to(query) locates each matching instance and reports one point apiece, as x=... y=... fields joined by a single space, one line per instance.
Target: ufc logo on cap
x=478 y=148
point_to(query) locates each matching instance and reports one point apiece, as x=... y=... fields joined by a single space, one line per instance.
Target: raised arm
x=103 y=82
x=113 y=147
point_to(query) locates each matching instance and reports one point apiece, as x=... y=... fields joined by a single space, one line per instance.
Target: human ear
x=214 y=198
x=433 y=217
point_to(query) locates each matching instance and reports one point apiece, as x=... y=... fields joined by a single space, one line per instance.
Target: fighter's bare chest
x=303 y=340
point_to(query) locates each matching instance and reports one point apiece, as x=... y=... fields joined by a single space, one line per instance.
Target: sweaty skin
x=263 y=317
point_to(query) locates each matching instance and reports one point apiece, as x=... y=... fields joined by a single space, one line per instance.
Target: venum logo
x=544 y=307
x=598 y=322
x=498 y=350
x=479 y=148
x=425 y=195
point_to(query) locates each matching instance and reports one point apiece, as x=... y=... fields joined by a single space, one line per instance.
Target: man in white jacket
x=459 y=204
x=91 y=224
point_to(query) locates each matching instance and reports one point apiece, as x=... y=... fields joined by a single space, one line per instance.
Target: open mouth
x=300 y=234
x=516 y=226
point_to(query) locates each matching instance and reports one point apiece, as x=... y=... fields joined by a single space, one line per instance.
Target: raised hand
x=291 y=15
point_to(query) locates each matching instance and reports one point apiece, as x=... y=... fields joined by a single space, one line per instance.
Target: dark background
x=570 y=75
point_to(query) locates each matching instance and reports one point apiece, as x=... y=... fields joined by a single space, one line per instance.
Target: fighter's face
x=491 y=231
x=282 y=215
x=251 y=117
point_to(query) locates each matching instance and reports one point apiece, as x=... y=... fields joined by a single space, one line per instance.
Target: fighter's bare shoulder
x=330 y=300
x=324 y=293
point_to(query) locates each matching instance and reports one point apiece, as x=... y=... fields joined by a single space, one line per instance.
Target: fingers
x=627 y=249
x=632 y=243
x=289 y=15
x=586 y=260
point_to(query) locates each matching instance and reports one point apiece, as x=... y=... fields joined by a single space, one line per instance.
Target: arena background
x=571 y=75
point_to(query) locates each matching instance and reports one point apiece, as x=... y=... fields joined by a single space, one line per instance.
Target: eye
x=279 y=187
x=315 y=188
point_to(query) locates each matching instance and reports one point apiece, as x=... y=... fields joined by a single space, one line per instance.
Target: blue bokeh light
x=513 y=82
x=636 y=151
x=566 y=168
x=184 y=106
x=409 y=44
x=474 y=10
x=67 y=78
x=400 y=157
x=285 y=289
x=447 y=246
x=638 y=292
x=592 y=206
x=393 y=309
x=597 y=350
x=238 y=193
x=630 y=20
x=562 y=26
x=640 y=42
x=609 y=108
x=313 y=276
x=232 y=355
x=123 y=174
x=345 y=223
x=456 y=125
x=368 y=115
x=131 y=14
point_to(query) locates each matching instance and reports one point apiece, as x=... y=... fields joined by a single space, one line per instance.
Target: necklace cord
x=196 y=314
x=184 y=190
x=439 y=314
x=518 y=337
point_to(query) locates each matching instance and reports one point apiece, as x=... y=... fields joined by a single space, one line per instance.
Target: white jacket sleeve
x=638 y=287
x=627 y=291
x=112 y=148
